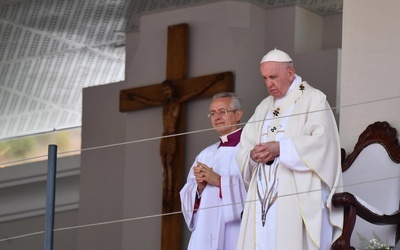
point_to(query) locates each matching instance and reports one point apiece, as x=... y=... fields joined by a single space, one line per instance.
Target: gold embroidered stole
x=284 y=106
x=270 y=191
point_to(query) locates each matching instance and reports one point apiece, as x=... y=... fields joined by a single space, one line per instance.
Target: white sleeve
x=188 y=196
x=248 y=170
x=289 y=156
x=233 y=197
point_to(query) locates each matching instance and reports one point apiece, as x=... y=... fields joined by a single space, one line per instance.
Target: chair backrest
x=372 y=173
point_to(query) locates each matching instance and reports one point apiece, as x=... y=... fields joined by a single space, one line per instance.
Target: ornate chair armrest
x=354 y=207
x=363 y=210
x=345 y=200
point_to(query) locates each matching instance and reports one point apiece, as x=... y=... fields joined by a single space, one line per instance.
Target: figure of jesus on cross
x=171 y=104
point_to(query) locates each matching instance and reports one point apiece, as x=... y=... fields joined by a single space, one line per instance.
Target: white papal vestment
x=216 y=223
x=305 y=175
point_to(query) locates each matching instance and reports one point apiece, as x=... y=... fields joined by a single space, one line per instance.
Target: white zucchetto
x=276 y=55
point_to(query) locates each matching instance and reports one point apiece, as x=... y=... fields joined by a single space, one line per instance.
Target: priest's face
x=278 y=77
x=224 y=118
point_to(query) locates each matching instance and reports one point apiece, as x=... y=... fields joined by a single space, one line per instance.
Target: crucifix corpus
x=172 y=95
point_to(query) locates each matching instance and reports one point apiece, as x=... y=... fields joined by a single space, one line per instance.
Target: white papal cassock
x=296 y=190
x=216 y=224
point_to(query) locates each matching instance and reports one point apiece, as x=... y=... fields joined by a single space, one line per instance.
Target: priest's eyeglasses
x=221 y=113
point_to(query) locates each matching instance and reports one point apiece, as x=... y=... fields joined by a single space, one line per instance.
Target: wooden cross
x=172 y=95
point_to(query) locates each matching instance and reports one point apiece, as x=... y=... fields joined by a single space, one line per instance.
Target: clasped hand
x=265 y=152
x=204 y=175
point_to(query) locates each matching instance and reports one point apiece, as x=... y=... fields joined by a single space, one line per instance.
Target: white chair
x=371 y=178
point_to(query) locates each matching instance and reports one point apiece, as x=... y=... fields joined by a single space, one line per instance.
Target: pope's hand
x=265 y=152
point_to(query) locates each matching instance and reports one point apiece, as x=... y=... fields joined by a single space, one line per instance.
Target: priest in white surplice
x=213 y=197
x=289 y=156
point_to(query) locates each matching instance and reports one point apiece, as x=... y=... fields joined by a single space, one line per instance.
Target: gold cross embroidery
x=301 y=86
x=276 y=112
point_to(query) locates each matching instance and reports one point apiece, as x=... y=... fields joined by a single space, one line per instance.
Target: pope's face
x=222 y=122
x=277 y=77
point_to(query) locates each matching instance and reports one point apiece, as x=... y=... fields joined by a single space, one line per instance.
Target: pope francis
x=289 y=156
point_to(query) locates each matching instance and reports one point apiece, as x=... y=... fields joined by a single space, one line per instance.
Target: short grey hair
x=236 y=102
x=287 y=65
